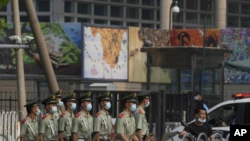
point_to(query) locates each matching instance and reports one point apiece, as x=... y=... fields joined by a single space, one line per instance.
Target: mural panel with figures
x=105 y=55
x=237 y=69
x=63 y=42
x=194 y=37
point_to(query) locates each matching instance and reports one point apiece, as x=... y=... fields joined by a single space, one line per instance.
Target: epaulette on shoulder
x=63 y=114
x=121 y=115
x=78 y=115
x=24 y=120
x=140 y=111
x=44 y=117
x=97 y=114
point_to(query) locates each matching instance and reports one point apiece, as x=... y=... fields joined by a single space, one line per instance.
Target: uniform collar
x=104 y=113
x=85 y=115
x=50 y=116
x=140 y=108
x=29 y=119
x=126 y=113
x=68 y=113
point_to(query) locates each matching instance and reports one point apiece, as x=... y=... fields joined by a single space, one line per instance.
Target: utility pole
x=19 y=61
x=41 y=46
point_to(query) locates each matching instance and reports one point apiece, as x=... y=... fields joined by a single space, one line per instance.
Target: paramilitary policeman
x=65 y=120
x=102 y=120
x=125 y=123
x=29 y=126
x=48 y=125
x=140 y=117
x=60 y=105
x=83 y=122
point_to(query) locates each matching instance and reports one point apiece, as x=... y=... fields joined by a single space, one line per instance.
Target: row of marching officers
x=131 y=123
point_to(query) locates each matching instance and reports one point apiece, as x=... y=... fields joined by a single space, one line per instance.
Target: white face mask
x=147 y=104
x=132 y=108
x=201 y=120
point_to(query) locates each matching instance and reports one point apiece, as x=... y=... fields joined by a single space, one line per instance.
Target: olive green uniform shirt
x=103 y=124
x=140 y=120
x=82 y=125
x=29 y=129
x=48 y=126
x=125 y=124
x=65 y=124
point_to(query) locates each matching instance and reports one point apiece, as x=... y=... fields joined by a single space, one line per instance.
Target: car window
x=223 y=116
x=246 y=114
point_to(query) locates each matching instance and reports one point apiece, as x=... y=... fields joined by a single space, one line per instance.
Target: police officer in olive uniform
x=65 y=120
x=60 y=105
x=125 y=127
x=140 y=117
x=102 y=120
x=29 y=126
x=48 y=125
x=83 y=122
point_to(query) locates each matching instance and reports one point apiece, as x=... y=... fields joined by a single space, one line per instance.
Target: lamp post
x=173 y=9
x=203 y=51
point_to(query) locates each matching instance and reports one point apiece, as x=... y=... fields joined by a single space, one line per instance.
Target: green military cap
x=50 y=100
x=31 y=103
x=59 y=94
x=105 y=96
x=85 y=97
x=70 y=98
x=144 y=94
x=130 y=98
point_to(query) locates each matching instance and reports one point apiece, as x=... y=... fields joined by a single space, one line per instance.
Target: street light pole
x=203 y=51
x=173 y=8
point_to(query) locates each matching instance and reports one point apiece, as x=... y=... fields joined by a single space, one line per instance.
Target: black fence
x=164 y=107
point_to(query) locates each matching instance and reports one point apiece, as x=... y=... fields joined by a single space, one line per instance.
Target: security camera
x=28 y=39
x=15 y=39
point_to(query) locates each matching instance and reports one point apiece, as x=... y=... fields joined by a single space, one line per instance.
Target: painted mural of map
x=105 y=53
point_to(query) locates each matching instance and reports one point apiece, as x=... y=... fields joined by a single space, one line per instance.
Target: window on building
x=158 y=26
x=147 y=25
x=3 y=9
x=147 y=14
x=118 y=1
x=191 y=18
x=68 y=7
x=177 y=27
x=24 y=19
x=233 y=7
x=102 y=0
x=158 y=16
x=116 y=11
x=22 y=7
x=208 y=20
x=192 y=4
x=148 y=2
x=97 y=21
x=181 y=4
x=101 y=10
x=245 y=22
x=116 y=23
x=44 y=18
x=132 y=1
x=84 y=8
x=68 y=19
x=232 y=21
x=245 y=9
x=132 y=13
x=158 y=2
x=43 y=5
x=206 y=5
x=178 y=17
x=83 y=20
x=132 y=24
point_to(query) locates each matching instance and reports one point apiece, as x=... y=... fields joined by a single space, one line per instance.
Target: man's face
x=85 y=103
x=146 y=100
x=58 y=99
x=49 y=106
x=69 y=104
x=35 y=109
x=201 y=114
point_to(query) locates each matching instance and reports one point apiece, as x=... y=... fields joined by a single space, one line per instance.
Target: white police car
x=222 y=115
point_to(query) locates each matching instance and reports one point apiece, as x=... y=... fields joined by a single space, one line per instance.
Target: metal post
x=19 y=61
x=41 y=46
x=222 y=82
x=203 y=51
x=170 y=17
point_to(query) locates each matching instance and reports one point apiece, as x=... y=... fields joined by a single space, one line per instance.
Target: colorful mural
x=194 y=37
x=238 y=63
x=63 y=42
x=105 y=55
